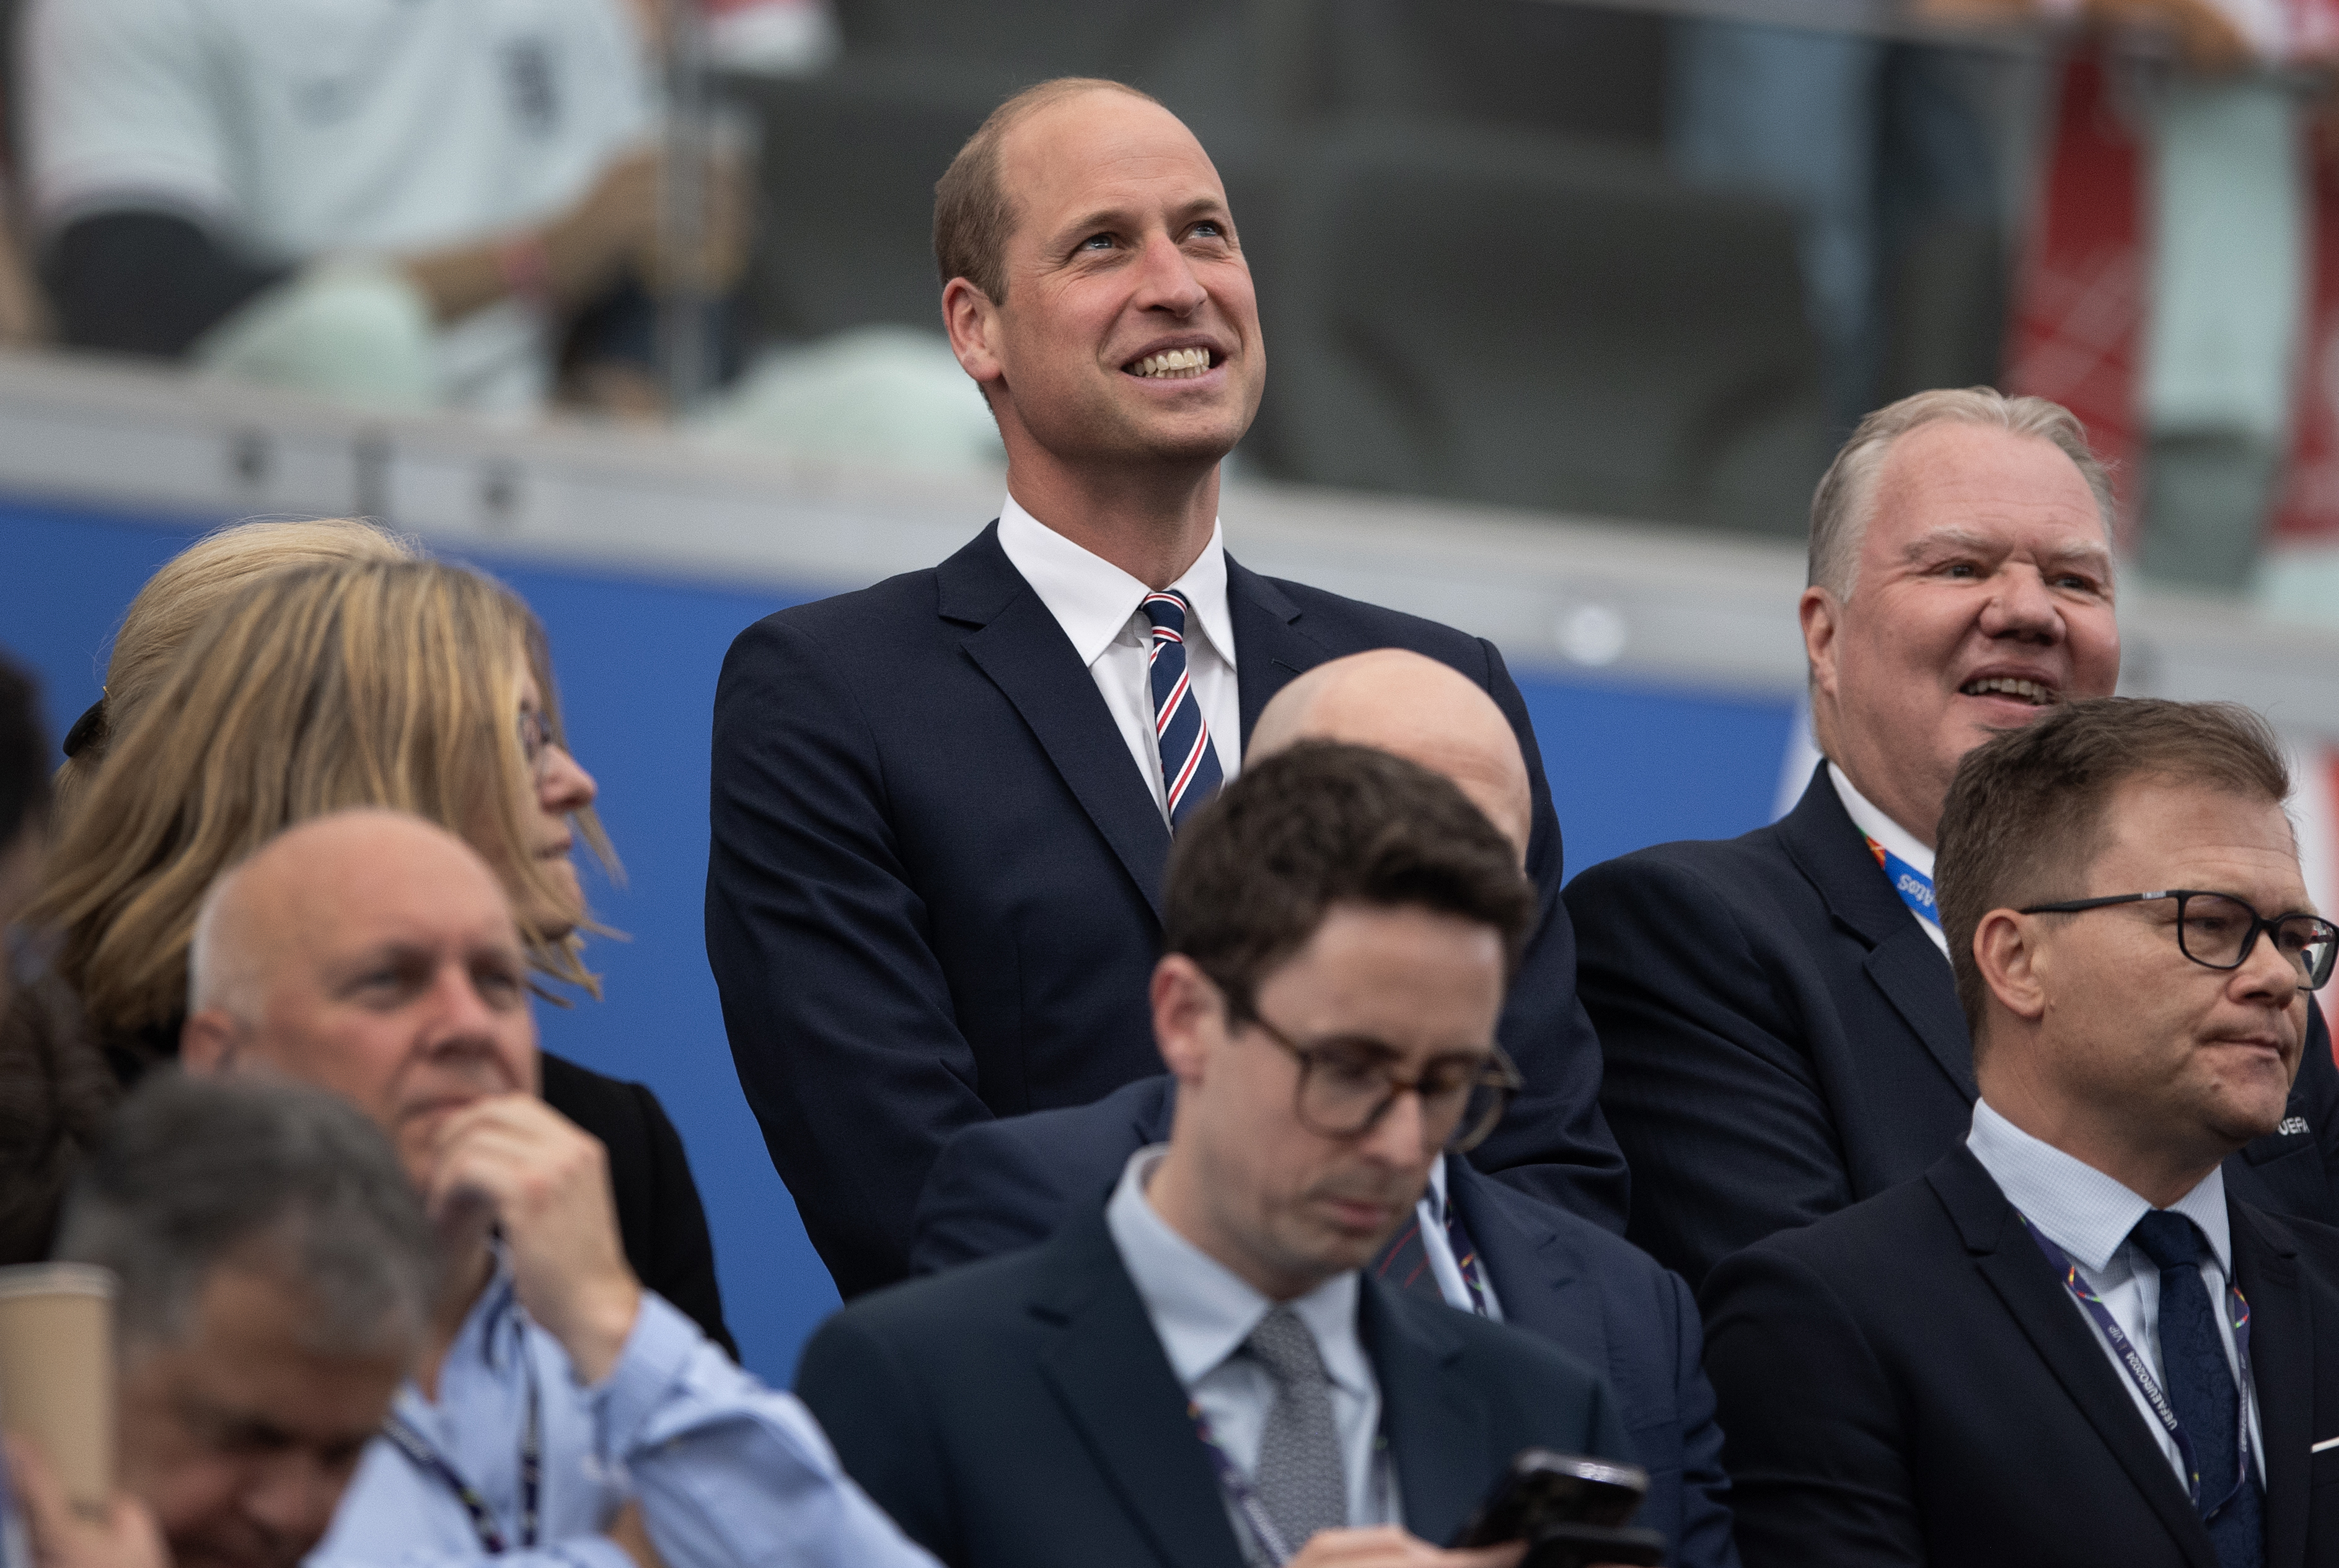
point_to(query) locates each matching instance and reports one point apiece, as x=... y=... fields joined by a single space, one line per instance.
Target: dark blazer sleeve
x=1554 y=1141
x=1815 y=1443
x=660 y=1218
x=839 y=1014
x=992 y=1190
x=867 y=1401
x=1704 y=1539
x=1714 y=1097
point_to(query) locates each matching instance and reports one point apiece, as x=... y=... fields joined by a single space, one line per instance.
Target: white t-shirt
x=297 y=128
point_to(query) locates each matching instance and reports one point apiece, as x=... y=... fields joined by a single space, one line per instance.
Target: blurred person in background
x=383 y=680
x=55 y=1091
x=276 y=1277
x=559 y=1412
x=408 y=206
x=1778 y=1011
x=897 y=960
x=1472 y=1243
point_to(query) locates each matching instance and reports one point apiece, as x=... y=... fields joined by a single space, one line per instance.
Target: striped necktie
x=1189 y=763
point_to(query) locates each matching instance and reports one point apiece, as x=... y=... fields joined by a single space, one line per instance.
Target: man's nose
x=2267 y=976
x=2020 y=607
x=1167 y=281
x=1397 y=1137
x=459 y=1013
x=292 y=1497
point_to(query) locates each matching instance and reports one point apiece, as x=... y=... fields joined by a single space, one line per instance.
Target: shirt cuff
x=658 y=1354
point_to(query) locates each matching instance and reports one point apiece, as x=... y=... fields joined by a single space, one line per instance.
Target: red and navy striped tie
x=1189 y=763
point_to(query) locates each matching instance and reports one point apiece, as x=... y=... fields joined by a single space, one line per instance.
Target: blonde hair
x=365 y=684
x=1846 y=497
x=181 y=595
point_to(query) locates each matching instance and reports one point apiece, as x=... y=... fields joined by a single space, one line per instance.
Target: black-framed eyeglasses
x=2218 y=931
x=1346 y=1084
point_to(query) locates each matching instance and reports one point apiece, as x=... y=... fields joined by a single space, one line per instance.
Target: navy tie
x=2200 y=1387
x=1189 y=763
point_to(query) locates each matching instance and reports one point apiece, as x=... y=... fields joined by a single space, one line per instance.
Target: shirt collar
x=1201 y=1309
x=1093 y=600
x=1436 y=1190
x=1870 y=818
x=2077 y=1207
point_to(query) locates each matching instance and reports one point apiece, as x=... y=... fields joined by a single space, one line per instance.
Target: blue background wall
x=637 y=660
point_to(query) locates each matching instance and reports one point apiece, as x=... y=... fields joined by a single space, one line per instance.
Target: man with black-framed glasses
x=1198 y=1370
x=2071 y=1340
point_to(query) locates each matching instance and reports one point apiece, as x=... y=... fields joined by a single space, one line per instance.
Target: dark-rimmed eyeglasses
x=2218 y=931
x=1347 y=1083
x=535 y=739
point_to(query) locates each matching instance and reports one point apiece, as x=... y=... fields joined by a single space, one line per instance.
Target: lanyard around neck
x=2140 y=1374
x=1244 y=1498
x=431 y=1462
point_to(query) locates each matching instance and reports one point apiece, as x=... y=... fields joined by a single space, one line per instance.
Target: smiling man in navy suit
x=941 y=806
x=1778 y=1015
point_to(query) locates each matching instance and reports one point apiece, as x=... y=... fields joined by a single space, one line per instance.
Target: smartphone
x=1542 y=1490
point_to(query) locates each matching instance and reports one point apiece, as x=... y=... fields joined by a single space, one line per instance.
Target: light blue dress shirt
x=2088 y=1215
x=727 y=1472
x=1202 y=1312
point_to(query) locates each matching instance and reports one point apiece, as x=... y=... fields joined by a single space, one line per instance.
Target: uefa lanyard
x=1244 y=1496
x=2140 y=1374
x=429 y=1460
x=1915 y=888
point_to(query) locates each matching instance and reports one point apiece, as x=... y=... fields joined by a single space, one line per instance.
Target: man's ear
x=2006 y=951
x=1187 y=1009
x=208 y=1040
x=1821 y=617
x=972 y=322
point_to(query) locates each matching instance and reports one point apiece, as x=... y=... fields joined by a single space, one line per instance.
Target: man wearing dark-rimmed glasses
x=1199 y=1371
x=2069 y=1341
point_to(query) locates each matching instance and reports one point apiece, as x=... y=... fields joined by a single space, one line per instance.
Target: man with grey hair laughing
x=558 y=1412
x=275 y=1278
x=1778 y=1021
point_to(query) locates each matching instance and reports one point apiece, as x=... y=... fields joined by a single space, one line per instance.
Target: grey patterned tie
x=1300 y=1479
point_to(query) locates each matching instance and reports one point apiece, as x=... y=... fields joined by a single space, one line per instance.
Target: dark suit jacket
x=934 y=894
x=1020 y=1411
x=1782 y=1040
x=659 y=1216
x=1909 y=1382
x=1005 y=1184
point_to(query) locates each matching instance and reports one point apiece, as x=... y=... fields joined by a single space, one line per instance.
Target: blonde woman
x=181 y=596
x=401 y=682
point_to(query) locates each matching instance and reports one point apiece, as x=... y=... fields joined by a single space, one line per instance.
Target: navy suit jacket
x=1020 y=1413
x=1909 y=1382
x=1007 y=1184
x=1782 y=1040
x=934 y=892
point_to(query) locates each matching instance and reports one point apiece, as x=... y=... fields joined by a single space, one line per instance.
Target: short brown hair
x=1846 y=497
x=973 y=214
x=1254 y=873
x=2027 y=814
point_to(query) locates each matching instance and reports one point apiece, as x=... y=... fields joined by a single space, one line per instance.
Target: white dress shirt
x=1870 y=818
x=1096 y=602
x=1202 y=1312
x=2089 y=1216
x=1442 y=1264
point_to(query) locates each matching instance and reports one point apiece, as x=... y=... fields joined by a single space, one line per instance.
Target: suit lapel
x=1543 y=1286
x=1827 y=846
x=2281 y=1357
x=1108 y=1370
x=1017 y=643
x=1270 y=646
x=1437 y=1425
x=2034 y=1295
